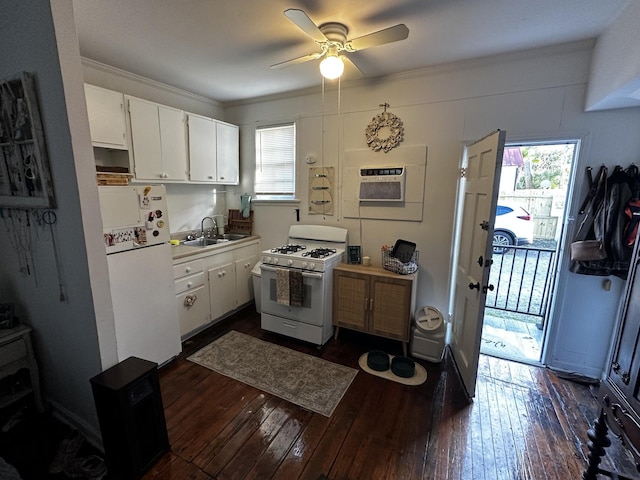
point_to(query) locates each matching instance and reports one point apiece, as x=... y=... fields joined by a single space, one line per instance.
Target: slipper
x=90 y=468
x=67 y=451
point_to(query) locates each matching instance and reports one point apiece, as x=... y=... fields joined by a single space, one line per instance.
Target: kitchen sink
x=232 y=236
x=200 y=242
x=205 y=242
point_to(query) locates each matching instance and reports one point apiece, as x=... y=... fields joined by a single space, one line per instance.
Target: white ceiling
x=222 y=49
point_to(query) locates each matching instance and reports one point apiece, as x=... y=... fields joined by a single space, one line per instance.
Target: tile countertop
x=182 y=251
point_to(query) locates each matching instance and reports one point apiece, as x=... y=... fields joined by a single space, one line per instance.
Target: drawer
x=13 y=351
x=190 y=282
x=246 y=251
x=292 y=328
x=187 y=268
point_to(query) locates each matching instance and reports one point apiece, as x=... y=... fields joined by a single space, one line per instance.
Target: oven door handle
x=304 y=274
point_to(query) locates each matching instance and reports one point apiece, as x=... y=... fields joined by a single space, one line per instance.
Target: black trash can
x=131 y=417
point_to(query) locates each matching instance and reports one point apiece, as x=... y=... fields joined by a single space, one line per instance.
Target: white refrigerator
x=136 y=238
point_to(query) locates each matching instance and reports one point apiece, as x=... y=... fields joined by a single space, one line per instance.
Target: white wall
x=615 y=71
x=532 y=95
x=73 y=338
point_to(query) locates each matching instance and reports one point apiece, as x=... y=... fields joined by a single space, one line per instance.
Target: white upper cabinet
x=202 y=149
x=160 y=143
x=158 y=139
x=106 y=117
x=214 y=154
x=228 y=153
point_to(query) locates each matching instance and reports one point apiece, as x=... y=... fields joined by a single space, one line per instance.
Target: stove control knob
x=275 y=260
x=304 y=264
x=290 y=262
x=266 y=260
x=312 y=266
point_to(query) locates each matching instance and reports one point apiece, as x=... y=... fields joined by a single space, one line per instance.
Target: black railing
x=522 y=278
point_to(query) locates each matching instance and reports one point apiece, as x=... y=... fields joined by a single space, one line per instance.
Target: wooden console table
x=373 y=300
x=16 y=353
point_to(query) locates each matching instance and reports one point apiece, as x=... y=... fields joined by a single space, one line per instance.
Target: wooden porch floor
x=525 y=422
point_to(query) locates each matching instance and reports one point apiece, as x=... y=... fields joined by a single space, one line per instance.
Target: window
x=275 y=162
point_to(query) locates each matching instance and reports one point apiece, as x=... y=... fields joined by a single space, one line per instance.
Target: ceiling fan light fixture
x=331 y=67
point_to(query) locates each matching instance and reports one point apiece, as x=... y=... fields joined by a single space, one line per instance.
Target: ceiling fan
x=332 y=39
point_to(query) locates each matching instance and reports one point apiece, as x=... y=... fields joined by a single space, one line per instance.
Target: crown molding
x=147 y=81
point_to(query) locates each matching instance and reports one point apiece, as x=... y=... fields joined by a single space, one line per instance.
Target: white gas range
x=297 y=281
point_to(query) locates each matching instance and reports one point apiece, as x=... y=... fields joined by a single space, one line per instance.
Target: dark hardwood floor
x=525 y=422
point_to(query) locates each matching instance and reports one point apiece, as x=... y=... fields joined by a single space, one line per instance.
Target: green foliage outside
x=545 y=167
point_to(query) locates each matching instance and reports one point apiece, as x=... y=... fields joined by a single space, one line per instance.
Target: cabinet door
x=202 y=149
x=145 y=139
x=390 y=307
x=227 y=153
x=106 y=117
x=193 y=309
x=173 y=142
x=244 y=280
x=222 y=290
x=350 y=300
x=624 y=365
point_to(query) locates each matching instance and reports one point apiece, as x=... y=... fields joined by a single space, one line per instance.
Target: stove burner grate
x=319 y=253
x=288 y=249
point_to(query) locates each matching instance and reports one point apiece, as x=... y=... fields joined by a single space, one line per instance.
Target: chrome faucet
x=215 y=226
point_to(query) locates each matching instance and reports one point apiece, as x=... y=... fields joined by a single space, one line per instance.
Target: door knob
x=484 y=225
x=474 y=285
x=487 y=287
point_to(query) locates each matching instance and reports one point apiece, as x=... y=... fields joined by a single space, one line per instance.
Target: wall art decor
x=385 y=131
x=321 y=190
x=25 y=176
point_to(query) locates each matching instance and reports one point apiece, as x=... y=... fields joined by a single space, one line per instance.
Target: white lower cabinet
x=222 y=290
x=244 y=280
x=193 y=308
x=219 y=280
x=192 y=295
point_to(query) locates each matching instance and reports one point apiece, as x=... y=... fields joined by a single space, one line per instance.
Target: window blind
x=275 y=161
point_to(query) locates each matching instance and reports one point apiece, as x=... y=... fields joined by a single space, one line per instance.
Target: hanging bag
x=592 y=249
x=588 y=251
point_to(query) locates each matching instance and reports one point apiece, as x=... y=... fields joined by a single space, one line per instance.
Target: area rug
x=307 y=381
x=418 y=378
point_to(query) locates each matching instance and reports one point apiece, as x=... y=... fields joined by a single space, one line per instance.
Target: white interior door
x=478 y=210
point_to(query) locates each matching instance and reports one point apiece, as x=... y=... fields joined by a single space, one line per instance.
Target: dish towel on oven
x=295 y=288
x=282 y=286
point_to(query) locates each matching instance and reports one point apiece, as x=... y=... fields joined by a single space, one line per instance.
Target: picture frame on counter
x=355 y=254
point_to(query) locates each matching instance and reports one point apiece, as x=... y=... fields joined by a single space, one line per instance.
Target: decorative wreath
x=381 y=120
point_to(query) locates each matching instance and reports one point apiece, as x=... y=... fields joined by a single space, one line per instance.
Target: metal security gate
x=522 y=278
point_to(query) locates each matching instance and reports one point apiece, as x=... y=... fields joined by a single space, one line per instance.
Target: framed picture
x=25 y=175
x=355 y=254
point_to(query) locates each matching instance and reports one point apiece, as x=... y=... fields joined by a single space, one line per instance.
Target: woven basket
x=403 y=266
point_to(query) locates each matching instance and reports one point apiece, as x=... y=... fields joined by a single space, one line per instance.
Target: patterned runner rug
x=307 y=381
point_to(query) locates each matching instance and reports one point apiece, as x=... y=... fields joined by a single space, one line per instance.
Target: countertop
x=182 y=251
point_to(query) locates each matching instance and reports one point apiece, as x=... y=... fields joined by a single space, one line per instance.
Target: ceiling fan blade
x=388 y=35
x=295 y=61
x=304 y=23
x=349 y=60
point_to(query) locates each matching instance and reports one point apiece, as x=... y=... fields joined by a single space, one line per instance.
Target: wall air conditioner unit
x=384 y=184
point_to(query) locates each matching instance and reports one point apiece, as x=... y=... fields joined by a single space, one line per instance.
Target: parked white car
x=513 y=226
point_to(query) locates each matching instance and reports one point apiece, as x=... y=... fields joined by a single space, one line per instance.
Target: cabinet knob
x=187 y=270
x=189 y=284
x=210 y=177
